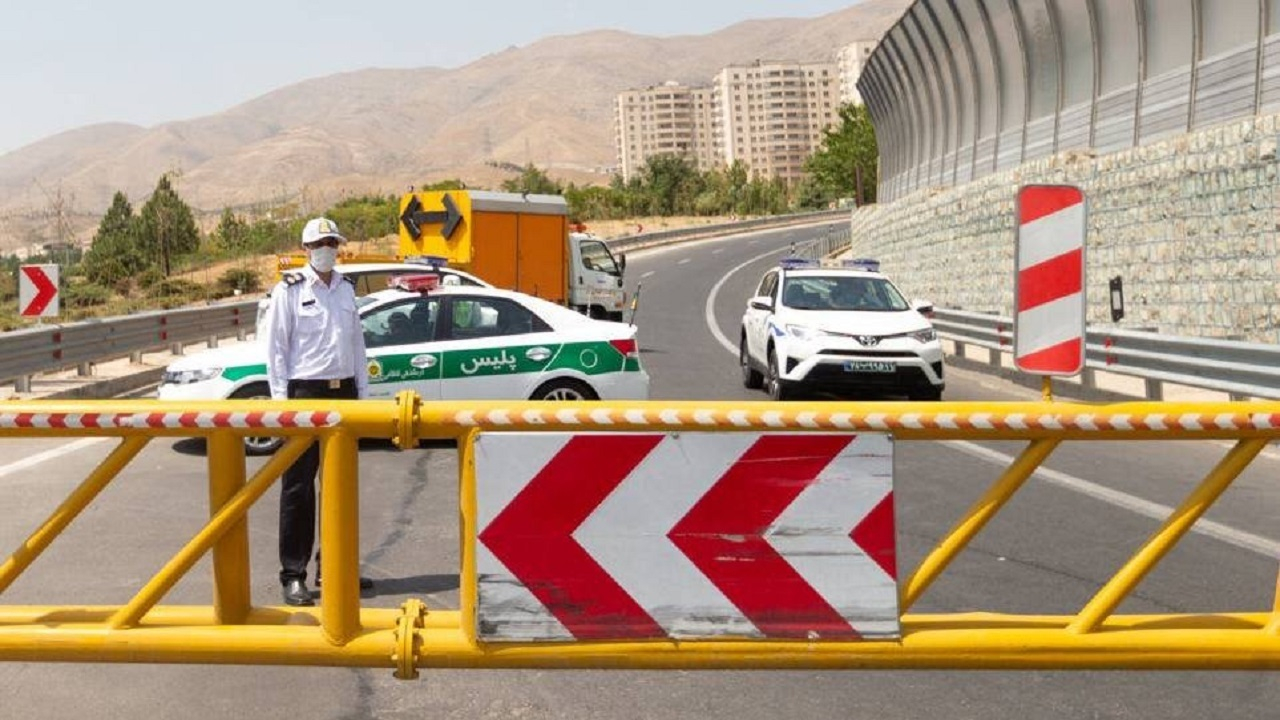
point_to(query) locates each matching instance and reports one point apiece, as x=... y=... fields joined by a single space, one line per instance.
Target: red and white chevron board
x=599 y=536
x=1049 y=325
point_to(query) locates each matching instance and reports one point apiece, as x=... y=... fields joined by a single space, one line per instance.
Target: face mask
x=323 y=258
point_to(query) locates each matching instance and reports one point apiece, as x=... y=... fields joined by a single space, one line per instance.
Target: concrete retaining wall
x=1190 y=224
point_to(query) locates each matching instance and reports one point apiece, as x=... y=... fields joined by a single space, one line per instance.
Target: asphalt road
x=1047 y=552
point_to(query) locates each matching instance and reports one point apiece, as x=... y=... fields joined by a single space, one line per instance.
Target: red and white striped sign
x=1049 y=324
x=595 y=536
x=38 y=290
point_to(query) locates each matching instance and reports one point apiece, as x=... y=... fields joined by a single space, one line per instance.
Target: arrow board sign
x=38 y=290
x=608 y=536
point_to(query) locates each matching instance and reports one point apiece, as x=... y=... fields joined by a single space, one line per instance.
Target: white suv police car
x=838 y=330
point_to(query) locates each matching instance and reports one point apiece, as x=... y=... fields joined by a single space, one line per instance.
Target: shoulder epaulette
x=292 y=278
x=349 y=279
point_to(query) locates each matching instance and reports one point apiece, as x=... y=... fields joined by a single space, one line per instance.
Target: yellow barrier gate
x=342 y=633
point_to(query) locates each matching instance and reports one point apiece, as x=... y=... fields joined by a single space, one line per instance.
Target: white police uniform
x=314 y=333
x=315 y=349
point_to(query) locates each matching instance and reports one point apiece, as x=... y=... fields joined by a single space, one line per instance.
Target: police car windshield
x=842 y=292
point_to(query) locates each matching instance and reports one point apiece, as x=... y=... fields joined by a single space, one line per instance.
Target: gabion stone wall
x=1190 y=224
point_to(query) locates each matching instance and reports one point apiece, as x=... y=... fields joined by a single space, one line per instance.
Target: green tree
x=672 y=183
x=115 y=253
x=845 y=164
x=232 y=233
x=364 y=218
x=167 y=227
x=534 y=181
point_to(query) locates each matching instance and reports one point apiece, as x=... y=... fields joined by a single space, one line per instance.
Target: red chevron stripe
x=533 y=537
x=1051 y=280
x=1055 y=358
x=1035 y=202
x=875 y=536
x=723 y=535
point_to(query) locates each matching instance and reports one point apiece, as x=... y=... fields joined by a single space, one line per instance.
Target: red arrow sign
x=533 y=537
x=38 y=288
x=724 y=535
x=692 y=535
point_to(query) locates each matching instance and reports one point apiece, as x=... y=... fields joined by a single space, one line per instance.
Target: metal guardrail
x=48 y=348
x=638 y=242
x=1241 y=369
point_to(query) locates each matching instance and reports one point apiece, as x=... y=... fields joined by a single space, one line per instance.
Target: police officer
x=315 y=349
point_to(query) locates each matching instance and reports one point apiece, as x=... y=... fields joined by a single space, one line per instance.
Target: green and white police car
x=449 y=343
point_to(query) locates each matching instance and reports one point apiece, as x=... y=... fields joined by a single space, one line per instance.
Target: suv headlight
x=924 y=336
x=803 y=332
x=186 y=377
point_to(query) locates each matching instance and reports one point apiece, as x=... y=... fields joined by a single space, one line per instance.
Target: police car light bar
x=862 y=264
x=792 y=263
x=416 y=283
x=435 y=260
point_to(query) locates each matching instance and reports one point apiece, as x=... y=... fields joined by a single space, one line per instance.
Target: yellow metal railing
x=340 y=632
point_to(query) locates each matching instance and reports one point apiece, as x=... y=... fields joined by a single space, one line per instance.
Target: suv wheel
x=752 y=379
x=774 y=384
x=933 y=394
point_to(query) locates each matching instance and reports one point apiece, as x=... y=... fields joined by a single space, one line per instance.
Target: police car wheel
x=566 y=389
x=257 y=445
x=752 y=379
x=775 y=385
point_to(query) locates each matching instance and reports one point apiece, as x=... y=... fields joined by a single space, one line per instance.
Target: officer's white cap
x=320 y=228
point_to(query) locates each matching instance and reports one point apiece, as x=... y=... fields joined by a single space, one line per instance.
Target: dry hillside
x=549 y=103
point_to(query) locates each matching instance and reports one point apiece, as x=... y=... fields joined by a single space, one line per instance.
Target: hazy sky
x=77 y=62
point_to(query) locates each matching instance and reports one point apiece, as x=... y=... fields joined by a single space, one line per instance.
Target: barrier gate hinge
x=406 y=431
x=407 y=642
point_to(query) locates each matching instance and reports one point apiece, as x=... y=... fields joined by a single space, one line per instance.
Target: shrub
x=85 y=295
x=176 y=288
x=242 y=279
x=149 y=277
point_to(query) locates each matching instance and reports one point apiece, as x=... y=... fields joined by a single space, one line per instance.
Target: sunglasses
x=325 y=242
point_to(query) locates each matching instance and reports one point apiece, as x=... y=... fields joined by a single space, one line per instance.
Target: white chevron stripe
x=466 y=418
x=704 y=417
x=505 y=463
x=601 y=417
x=500 y=417
x=1049 y=324
x=773 y=418
x=499 y=587
x=1050 y=236
x=567 y=417
x=812 y=534
x=652 y=499
x=670 y=417
x=636 y=417
x=807 y=419
x=739 y=418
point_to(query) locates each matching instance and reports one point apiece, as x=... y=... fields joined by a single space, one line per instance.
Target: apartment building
x=768 y=114
x=850 y=61
x=671 y=119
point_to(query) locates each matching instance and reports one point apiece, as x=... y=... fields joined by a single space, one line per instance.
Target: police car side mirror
x=622 y=262
x=924 y=307
x=762 y=303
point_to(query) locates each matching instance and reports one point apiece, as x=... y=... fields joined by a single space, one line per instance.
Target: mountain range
x=381 y=130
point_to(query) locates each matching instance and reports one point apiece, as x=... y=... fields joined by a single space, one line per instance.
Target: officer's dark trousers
x=298 y=488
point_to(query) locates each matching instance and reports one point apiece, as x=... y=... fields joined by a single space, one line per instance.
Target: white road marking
x=1138 y=506
x=709 y=309
x=648 y=274
x=33 y=460
x=1227 y=534
x=682 y=262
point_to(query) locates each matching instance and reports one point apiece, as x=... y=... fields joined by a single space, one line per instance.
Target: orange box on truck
x=514 y=241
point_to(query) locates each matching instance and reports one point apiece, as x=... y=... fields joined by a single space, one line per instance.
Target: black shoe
x=296 y=594
x=365 y=583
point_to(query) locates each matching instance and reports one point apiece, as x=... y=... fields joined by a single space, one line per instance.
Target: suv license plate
x=868 y=366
